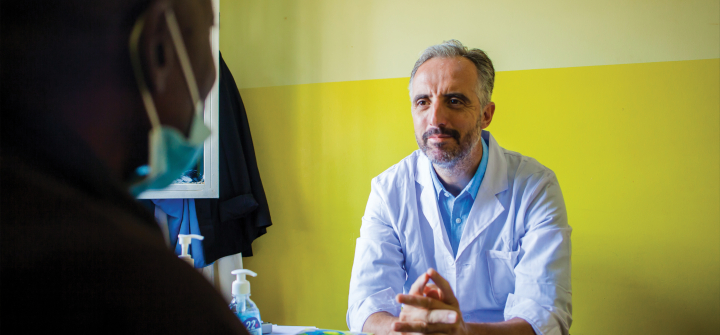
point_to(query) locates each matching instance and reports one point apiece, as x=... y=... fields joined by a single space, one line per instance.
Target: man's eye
x=454 y=101
x=421 y=102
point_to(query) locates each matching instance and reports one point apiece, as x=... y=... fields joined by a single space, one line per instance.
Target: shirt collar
x=474 y=185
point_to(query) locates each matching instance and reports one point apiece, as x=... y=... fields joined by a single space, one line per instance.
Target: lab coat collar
x=496 y=179
x=429 y=203
x=486 y=206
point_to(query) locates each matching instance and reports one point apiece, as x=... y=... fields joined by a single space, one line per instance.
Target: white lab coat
x=514 y=253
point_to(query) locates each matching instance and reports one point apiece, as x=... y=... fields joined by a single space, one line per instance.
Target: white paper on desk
x=289 y=329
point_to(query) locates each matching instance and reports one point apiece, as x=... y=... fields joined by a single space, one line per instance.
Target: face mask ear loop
x=181 y=51
x=139 y=76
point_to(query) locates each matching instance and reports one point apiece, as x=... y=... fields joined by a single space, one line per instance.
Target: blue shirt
x=182 y=219
x=454 y=210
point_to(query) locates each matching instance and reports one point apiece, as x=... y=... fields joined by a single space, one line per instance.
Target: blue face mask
x=171 y=153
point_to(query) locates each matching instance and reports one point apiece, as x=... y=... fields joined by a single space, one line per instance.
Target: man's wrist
x=379 y=323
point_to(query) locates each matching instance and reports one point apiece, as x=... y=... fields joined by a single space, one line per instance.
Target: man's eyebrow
x=457 y=96
x=420 y=96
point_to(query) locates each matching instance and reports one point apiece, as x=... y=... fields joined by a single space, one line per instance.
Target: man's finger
x=430 y=287
x=421 y=327
x=432 y=291
x=418 y=286
x=442 y=316
x=445 y=289
x=422 y=302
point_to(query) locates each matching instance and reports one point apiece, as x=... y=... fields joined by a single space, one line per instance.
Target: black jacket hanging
x=241 y=214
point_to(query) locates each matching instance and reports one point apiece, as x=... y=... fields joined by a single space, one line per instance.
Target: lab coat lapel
x=486 y=207
x=429 y=205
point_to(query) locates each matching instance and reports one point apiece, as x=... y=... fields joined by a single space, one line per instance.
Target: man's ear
x=156 y=45
x=487 y=114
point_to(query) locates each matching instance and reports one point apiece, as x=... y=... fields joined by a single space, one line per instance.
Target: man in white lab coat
x=486 y=225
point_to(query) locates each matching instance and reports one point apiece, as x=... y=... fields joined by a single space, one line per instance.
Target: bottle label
x=252 y=323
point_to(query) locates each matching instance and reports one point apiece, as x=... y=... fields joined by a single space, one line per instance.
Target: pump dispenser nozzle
x=184 y=241
x=241 y=285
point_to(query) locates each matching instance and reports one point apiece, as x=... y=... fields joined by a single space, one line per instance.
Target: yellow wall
x=636 y=148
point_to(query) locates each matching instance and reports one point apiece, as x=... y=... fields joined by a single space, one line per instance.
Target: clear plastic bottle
x=242 y=306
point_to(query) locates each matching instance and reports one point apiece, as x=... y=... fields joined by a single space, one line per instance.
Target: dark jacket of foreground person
x=79 y=254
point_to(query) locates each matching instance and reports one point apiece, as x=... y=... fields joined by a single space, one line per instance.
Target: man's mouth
x=441 y=135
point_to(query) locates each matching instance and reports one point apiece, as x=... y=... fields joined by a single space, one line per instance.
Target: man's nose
x=437 y=115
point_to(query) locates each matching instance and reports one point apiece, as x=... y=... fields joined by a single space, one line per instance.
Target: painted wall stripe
x=288 y=42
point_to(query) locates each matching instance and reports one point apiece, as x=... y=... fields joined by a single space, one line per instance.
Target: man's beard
x=447 y=157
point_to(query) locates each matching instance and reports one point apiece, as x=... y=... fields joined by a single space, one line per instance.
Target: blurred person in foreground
x=100 y=101
x=486 y=225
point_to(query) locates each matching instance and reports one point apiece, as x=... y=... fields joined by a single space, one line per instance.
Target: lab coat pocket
x=501 y=266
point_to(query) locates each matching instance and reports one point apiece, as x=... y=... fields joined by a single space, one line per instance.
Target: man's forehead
x=446 y=73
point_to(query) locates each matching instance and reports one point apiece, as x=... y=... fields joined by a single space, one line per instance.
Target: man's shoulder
x=516 y=164
x=525 y=169
x=401 y=173
x=54 y=228
x=53 y=212
x=522 y=162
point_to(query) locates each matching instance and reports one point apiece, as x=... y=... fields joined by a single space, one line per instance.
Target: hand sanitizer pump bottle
x=241 y=304
x=185 y=241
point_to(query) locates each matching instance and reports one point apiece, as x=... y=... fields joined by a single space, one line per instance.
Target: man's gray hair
x=453 y=48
